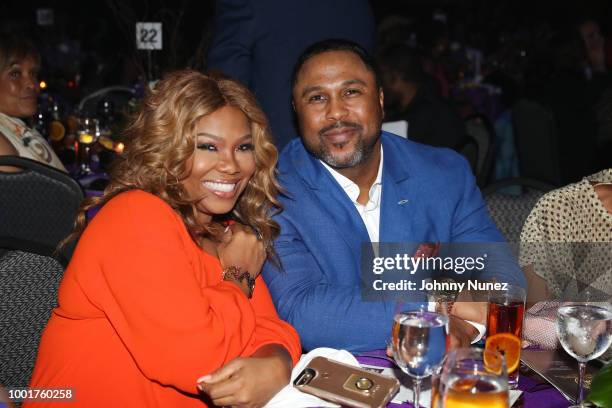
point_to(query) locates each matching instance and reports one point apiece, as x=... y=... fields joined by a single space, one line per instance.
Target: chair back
x=481 y=131
x=28 y=293
x=536 y=142
x=510 y=211
x=469 y=150
x=118 y=95
x=37 y=207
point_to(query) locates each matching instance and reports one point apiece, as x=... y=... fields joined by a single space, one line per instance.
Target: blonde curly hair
x=161 y=139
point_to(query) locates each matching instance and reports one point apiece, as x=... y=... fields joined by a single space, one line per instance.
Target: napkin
x=291 y=397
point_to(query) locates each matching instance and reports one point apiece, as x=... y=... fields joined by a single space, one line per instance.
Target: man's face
x=339 y=108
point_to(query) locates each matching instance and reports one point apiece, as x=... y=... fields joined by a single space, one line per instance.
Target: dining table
x=536 y=392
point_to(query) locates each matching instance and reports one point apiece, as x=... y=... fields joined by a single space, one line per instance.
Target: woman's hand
x=461 y=333
x=249 y=382
x=240 y=248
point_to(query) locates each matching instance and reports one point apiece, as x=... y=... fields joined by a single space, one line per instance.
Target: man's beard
x=358 y=155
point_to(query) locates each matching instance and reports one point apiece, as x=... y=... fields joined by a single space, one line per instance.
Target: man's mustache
x=339 y=125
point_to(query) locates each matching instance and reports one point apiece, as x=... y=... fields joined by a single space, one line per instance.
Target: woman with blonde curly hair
x=162 y=303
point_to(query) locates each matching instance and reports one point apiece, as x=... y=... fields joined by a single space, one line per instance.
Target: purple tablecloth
x=535 y=394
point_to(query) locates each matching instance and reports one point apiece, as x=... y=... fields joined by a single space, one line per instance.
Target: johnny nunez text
x=405 y=284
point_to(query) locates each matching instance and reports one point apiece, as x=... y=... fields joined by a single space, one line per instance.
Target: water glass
x=585 y=332
x=418 y=343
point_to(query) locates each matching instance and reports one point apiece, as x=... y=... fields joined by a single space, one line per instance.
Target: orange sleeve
x=269 y=328
x=148 y=289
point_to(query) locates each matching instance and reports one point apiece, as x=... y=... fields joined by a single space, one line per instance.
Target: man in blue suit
x=346 y=184
x=258 y=41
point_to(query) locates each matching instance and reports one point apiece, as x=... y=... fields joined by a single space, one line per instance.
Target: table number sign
x=149 y=36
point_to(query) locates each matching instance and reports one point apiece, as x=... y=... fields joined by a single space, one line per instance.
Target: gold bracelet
x=235 y=273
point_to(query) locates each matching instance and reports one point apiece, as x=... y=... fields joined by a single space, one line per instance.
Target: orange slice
x=72 y=123
x=508 y=345
x=106 y=142
x=56 y=131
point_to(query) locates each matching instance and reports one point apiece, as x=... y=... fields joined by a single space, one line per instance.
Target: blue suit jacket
x=258 y=42
x=428 y=195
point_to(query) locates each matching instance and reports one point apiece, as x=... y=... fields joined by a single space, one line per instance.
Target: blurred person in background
x=595 y=45
x=560 y=83
x=409 y=96
x=19 y=66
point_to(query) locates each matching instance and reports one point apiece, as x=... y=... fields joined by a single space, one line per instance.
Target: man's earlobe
x=293 y=105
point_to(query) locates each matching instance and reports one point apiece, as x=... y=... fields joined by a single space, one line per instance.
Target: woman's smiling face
x=222 y=164
x=19 y=88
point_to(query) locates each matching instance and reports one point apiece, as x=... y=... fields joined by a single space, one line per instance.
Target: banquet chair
x=536 y=142
x=469 y=150
x=481 y=131
x=28 y=293
x=117 y=94
x=38 y=206
x=509 y=211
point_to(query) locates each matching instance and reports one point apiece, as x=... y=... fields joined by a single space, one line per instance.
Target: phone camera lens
x=364 y=384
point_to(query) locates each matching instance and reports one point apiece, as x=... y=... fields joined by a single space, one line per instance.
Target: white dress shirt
x=370 y=212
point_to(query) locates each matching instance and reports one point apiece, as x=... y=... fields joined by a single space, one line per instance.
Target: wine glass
x=88 y=133
x=585 y=332
x=419 y=345
x=473 y=377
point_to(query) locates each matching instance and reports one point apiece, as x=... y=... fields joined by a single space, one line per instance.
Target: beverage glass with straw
x=506 y=309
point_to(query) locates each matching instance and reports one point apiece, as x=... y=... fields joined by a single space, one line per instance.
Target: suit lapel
x=397 y=201
x=334 y=202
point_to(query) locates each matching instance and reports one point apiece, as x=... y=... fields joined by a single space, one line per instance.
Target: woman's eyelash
x=207 y=146
x=212 y=147
x=246 y=147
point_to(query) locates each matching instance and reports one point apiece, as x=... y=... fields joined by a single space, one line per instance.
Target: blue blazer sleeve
x=233 y=39
x=325 y=314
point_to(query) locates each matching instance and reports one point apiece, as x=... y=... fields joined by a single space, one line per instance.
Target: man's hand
x=461 y=333
x=249 y=382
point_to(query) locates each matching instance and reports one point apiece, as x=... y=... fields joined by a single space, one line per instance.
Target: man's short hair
x=334 y=44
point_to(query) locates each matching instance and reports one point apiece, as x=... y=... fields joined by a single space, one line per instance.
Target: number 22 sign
x=149 y=36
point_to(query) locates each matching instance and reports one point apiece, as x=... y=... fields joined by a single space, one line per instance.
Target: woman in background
x=164 y=285
x=566 y=252
x=19 y=66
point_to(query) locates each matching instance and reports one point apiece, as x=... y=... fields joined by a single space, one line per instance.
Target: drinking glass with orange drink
x=505 y=313
x=474 y=378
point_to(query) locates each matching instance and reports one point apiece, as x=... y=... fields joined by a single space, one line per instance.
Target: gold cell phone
x=346 y=385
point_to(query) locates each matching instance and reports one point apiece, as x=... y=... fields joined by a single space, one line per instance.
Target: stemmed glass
x=419 y=343
x=88 y=133
x=585 y=332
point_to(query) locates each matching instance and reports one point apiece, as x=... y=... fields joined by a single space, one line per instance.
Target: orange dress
x=143 y=313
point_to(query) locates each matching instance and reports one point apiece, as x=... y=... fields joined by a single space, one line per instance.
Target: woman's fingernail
x=226 y=229
x=204 y=379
